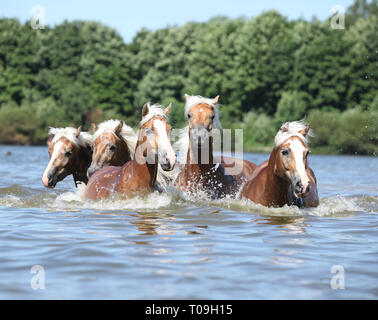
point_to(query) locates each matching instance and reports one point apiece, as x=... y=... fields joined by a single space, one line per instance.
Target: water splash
x=333 y=206
x=52 y=200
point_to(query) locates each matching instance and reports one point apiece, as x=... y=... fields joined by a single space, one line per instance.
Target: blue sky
x=127 y=17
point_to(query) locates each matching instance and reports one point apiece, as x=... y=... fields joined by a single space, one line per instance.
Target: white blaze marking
x=164 y=143
x=298 y=149
x=57 y=147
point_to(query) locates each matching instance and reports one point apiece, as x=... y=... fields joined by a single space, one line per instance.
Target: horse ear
x=94 y=127
x=216 y=99
x=187 y=97
x=118 y=129
x=145 y=110
x=285 y=127
x=78 y=132
x=167 y=109
x=305 y=130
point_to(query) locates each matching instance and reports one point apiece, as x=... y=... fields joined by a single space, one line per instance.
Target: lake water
x=165 y=246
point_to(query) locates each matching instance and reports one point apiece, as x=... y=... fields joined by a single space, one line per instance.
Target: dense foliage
x=266 y=69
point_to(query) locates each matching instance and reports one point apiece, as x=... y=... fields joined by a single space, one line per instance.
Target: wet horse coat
x=70 y=152
x=138 y=175
x=113 y=145
x=286 y=178
x=201 y=171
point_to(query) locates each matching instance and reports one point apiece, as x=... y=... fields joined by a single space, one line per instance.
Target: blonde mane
x=83 y=140
x=153 y=111
x=127 y=133
x=292 y=129
x=192 y=101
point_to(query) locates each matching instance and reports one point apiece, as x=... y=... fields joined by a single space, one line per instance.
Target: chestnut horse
x=286 y=177
x=70 y=152
x=113 y=145
x=208 y=174
x=138 y=175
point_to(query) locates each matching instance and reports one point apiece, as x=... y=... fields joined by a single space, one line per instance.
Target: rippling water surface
x=166 y=246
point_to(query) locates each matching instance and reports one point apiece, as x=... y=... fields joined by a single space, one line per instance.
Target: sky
x=128 y=17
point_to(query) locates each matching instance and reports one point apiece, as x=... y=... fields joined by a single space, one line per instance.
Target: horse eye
x=285 y=152
x=112 y=148
x=68 y=154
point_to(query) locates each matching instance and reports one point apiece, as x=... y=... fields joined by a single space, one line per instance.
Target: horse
x=286 y=178
x=208 y=174
x=138 y=175
x=70 y=152
x=113 y=145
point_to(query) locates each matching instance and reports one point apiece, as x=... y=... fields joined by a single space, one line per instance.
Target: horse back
x=312 y=198
x=239 y=169
x=102 y=183
x=255 y=186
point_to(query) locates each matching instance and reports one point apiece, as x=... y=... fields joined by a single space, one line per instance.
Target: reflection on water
x=291 y=225
x=169 y=246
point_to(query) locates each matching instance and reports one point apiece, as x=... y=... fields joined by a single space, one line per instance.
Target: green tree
x=291 y=106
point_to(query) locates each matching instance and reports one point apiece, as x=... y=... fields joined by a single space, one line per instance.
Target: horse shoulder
x=312 y=198
x=244 y=167
x=100 y=185
x=311 y=175
x=255 y=186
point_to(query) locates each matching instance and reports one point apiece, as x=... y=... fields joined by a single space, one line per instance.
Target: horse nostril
x=308 y=188
x=298 y=186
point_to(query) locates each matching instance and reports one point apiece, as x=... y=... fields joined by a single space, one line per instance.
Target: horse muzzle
x=167 y=163
x=301 y=190
x=50 y=180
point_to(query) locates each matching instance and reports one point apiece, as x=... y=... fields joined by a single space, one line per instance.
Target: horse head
x=203 y=116
x=291 y=153
x=65 y=147
x=113 y=145
x=154 y=144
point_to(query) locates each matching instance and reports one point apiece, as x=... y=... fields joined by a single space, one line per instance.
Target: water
x=164 y=246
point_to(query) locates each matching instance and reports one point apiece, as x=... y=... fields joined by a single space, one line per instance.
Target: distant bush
x=258 y=131
x=291 y=106
x=28 y=123
x=353 y=131
x=350 y=132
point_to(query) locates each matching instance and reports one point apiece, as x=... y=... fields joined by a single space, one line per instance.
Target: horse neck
x=82 y=164
x=276 y=189
x=194 y=157
x=123 y=154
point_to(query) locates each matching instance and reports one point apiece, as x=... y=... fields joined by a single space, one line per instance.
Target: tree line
x=267 y=69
